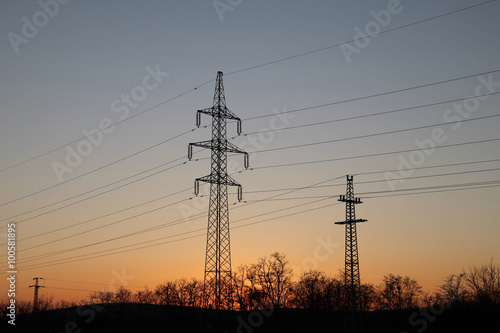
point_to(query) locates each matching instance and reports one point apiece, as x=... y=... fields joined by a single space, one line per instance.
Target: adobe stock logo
x=322 y=252
x=455 y=115
x=225 y=6
x=30 y=28
x=362 y=39
x=121 y=107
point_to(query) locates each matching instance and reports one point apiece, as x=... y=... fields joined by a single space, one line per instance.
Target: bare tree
x=255 y=294
x=431 y=300
x=194 y=292
x=103 y=296
x=45 y=302
x=368 y=295
x=398 y=292
x=63 y=304
x=145 y=296
x=182 y=296
x=167 y=293
x=189 y=292
x=122 y=295
x=454 y=289
x=483 y=283
x=316 y=291
x=275 y=278
x=242 y=288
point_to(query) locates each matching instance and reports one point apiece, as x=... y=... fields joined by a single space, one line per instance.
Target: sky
x=98 y=104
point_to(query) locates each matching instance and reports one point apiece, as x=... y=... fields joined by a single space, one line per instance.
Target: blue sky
x=66 y=78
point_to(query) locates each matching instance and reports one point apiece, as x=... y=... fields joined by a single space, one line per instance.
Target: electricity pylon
x=217 y=293
x=352 y=287
x=36 y=306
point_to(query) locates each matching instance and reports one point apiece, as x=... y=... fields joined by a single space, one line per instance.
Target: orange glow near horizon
x=97 y=113
x=325 y=253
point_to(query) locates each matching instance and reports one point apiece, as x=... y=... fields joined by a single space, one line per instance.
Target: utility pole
x=218 y=280
x=352 y=288
x=35 y=297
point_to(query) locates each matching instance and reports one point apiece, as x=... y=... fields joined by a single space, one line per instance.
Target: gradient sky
x=70 y=77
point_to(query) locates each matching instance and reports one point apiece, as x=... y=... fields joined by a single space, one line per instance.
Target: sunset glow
x=99 y=105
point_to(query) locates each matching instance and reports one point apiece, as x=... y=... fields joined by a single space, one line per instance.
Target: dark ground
x=126 y=318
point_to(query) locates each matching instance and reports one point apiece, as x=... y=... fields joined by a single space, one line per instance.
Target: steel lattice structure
x=35 y=296
x=217 y=281
x=352 y=280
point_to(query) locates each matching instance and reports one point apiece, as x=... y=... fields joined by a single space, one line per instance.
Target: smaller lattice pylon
x=36 y=305
x=352 y=282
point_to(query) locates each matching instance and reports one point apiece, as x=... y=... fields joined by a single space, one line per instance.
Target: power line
x=103 y=254
x=377 y=181
x=60 y=262
x=357 y=117
x=164 y=225
x=104 y=186
x=271 y=190
x=99 y=194
x=107 y=215
x=364 y=136
x=313 y=186
x=296 y=198
x=85 y=282
x=259 y=191
x=383 y=133
x=496 y=183
x=353 y=40
x=357 y=156
x=378 y=94
x=92 y=171
x=299 y=126
x=429 y=167
x=469 y=143
x=324 y=142
x=472 y=187
x=84 y=290
x=246 y=69
x=98 y=228
x=71 y=289
x=81 y=282
x=291 y=214
x=439 y=175
x=72 y=259
x=326 y=197
x=302 y=109
x=101 y=130
x=172 y=223
x=175 y=222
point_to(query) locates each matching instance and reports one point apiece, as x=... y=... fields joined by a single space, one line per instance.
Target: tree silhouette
x=275 y=278
x=398 y=292
x=483 y=283
x=316 y=291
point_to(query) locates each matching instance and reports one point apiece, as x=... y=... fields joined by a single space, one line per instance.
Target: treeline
x=269 y=283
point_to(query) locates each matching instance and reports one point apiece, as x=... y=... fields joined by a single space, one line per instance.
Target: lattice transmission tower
x=36 y=305
x=352 y=287
x=217 y=281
